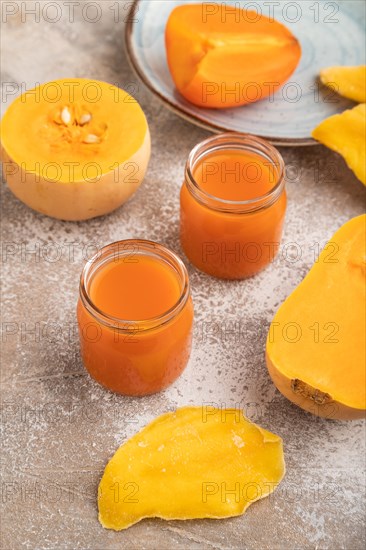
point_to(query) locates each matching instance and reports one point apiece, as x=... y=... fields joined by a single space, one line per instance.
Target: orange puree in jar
x=233 y=204
x=135 y=317
x=135 y=290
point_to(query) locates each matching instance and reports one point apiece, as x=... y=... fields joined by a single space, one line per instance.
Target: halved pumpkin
x=74 y=148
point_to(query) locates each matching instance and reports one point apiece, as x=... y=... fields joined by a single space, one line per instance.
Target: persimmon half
x=221 y=56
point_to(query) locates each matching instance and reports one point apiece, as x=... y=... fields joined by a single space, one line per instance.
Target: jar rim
x=232 y=140
x=122 y=248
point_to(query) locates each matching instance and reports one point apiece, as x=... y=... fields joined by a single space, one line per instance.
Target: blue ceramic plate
x=330 y=33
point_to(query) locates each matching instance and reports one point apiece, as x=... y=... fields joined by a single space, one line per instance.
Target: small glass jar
x=233 y=239
x=142 y=356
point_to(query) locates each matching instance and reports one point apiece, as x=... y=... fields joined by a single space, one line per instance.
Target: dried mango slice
x=347 y=81
x=197 y=462
x=346 y=134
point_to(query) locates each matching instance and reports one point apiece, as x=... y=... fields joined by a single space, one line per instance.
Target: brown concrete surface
x=59 y=428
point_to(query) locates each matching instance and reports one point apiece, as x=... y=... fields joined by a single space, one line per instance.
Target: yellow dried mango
x=197 y=462
x=347 y=81
x=346 y=134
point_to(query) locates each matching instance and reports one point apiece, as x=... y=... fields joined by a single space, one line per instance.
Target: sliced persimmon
x=221 y=56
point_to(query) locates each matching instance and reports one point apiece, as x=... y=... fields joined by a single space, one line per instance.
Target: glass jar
x=135 y=356
x=222 y=233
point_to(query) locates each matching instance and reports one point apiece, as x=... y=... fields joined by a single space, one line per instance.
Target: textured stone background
x=60 y=428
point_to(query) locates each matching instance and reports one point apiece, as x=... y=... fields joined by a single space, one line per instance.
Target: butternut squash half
x=75 y=148
x=196 y=462
x=316 y=342
x=222 y=56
